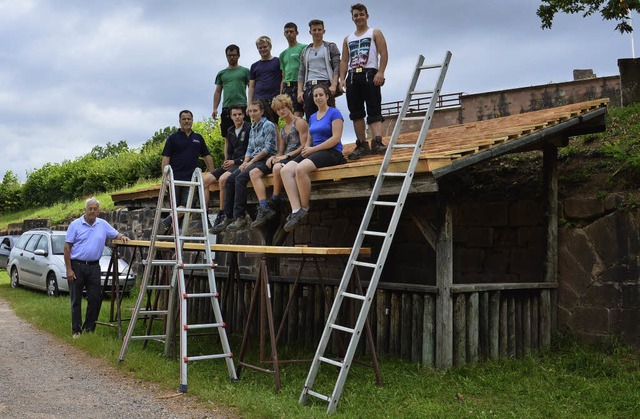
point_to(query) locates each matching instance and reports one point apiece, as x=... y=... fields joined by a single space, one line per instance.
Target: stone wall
x=494 y=242
x=599 y=253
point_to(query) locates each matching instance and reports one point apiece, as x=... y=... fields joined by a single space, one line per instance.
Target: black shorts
x=324 y=158
x=261 y=165
x=290 y=88
x=182 y=195
x=361 y=91
x=219 y=172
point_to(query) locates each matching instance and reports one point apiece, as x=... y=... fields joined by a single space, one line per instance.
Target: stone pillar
x=629 y=80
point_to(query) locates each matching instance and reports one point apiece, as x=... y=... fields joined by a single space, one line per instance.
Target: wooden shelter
x=446 y=323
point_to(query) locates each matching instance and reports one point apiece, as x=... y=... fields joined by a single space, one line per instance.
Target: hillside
x=591 y=165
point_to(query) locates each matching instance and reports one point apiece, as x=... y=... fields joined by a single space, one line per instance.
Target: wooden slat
x=241 y=248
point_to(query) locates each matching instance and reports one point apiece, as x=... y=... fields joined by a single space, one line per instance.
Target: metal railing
x=421 y=104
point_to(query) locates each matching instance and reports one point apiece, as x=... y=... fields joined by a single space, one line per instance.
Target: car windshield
x=57 y=244
x=106 y=251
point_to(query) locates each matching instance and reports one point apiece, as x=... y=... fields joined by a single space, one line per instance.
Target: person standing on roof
x=362 y=67
x=265 y=78
x=83 y=247
x=233 y=82
x=290 y=65
x=319 y=64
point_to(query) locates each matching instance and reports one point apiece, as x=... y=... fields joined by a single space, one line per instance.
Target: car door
x=41 y=262
x=5 y=249
x=26 y=260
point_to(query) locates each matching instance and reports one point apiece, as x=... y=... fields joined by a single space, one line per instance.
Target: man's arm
x=208 y=160
x=165 y=162
x=217 y=94
x=252 y=88
x=67 y=261
x=344 y=64
x=381 y=45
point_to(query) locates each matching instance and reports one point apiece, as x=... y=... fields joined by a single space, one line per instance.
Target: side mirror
x=40 y=252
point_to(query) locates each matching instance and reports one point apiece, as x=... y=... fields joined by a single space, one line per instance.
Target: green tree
x=10 y=192
x=616 y=10
x=159 y=137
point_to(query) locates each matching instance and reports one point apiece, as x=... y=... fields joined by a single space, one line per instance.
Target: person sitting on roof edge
x=262 y=145
x=323 y=149
x=291 y=139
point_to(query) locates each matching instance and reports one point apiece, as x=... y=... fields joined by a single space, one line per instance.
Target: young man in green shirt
x=290 y=64
x=234 y=81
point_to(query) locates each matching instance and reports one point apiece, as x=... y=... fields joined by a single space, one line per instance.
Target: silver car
x=37 y=261
x=6 y=244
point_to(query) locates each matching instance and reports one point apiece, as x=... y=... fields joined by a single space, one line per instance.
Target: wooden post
x=428 y=329
x=444 y=280
x=550 y=167
x=473 y=323
x=494 y=324
x=459 y=329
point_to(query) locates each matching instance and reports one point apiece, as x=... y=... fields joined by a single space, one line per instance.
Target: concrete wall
x=489 y=105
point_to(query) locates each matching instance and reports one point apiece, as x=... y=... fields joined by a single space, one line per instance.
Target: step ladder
x=375 y=269
x=177 y=288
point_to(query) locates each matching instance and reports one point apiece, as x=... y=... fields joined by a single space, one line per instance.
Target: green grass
x=570 y=381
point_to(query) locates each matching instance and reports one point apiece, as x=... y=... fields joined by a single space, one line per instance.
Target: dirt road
x=44 y=377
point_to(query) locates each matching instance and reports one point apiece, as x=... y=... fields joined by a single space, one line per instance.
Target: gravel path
x=44 y=377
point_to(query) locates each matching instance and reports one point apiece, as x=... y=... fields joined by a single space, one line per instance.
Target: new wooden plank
x=241 y=248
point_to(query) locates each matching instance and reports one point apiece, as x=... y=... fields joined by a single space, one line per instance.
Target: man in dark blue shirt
x=181 y=152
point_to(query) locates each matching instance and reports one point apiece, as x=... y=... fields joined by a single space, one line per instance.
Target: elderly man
x=84 y=243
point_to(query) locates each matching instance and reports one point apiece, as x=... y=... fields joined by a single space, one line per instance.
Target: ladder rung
x=193 y=238
x=163 y=237
x=354 y=296
x=429 y=66
x=413 y=118
x=385 y=203
x=364 y=264
x=149 y=337
x=185 y=183
x=422 y=92
x=184 y=209
x=404 y=145
x=197 y=266
x=158 y=287
x=395 y=174
x=205 y=325
x=203 y=357
x=163 y=262
x=374 y=233
x=201 y=295
x=153 y=312
x=342 y=328
x=318 y=395
x=331 y=361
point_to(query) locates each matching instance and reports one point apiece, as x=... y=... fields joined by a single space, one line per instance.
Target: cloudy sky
x=80 y=73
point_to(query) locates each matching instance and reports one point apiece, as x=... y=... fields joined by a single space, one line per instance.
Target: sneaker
x=362 y=149
x=219 y=227
x=76 y=335
x=264 y=215
x=294 y=219
x=238 y=224
x=166 y=225
x=377 y=146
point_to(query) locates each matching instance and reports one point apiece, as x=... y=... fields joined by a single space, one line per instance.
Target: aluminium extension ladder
x=364 y=232
x=176 y=263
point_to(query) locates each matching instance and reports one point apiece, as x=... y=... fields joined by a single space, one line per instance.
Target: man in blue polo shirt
x=83 y=248
x=181 y=152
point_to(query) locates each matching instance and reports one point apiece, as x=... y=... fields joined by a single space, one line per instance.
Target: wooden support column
x=444 y=280
x=550 y=167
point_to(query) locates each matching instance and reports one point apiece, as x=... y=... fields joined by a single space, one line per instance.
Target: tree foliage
x=104 y=168
x=616 y=10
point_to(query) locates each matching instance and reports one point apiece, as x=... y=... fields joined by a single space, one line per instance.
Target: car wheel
x=52 y=285
x=15 y=279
